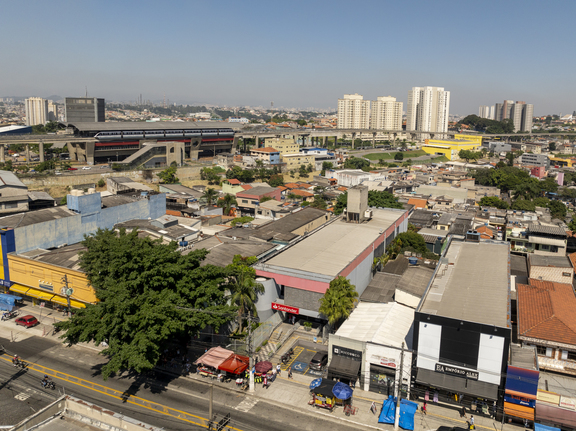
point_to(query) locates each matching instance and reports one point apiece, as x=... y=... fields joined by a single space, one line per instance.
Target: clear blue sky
x=295 y=53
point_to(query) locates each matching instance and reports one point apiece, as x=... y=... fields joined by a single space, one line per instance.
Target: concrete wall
x=302 y=298
x=71 y=230
x=264 y=300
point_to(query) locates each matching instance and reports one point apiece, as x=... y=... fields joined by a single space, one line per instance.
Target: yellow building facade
x=283 y=145
x=294 y=161
x=451 y=147
x=471 y=138
x=44 y=282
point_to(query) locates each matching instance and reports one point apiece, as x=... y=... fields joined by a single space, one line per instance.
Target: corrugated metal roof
x=7 y=178
x=548 y=230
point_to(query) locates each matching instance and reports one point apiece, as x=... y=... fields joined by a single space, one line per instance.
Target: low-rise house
x=248 y=200
x=117 y=185
x=13 y=194
x=557 y=269
x=268 y=155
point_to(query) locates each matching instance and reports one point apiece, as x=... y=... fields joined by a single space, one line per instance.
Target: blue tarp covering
x=7 y=298
x=407 y=411
x=6 y=307
x=540 y=427
x=387 y=413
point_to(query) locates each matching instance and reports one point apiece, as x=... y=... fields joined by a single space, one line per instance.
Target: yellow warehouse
x=450 y=147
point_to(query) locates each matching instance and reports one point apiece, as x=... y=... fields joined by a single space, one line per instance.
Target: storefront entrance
x=382 y=380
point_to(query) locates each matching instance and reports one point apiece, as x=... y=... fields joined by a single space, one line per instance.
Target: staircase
x=270 y=348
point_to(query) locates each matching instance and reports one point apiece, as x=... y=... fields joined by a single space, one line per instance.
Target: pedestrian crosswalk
x=246 y=404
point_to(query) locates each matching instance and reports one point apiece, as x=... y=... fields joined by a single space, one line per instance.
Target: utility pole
x=210 y=406
x=67 y=290
x=399 y=389
x=250 y=353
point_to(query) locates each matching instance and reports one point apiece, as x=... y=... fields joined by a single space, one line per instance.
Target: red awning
x=235 y=364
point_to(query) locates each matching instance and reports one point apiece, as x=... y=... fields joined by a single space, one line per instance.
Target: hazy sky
x=296 y=53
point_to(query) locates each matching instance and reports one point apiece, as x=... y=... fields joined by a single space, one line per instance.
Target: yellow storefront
x=45 y=282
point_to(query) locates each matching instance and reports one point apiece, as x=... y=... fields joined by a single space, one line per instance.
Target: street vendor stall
x=235 y=365
x=324 y=396
x=209 y=362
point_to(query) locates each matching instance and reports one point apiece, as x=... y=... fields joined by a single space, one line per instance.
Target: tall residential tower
x=428 y=109
x=353 y=112
x=36 y=111
x=386 y=114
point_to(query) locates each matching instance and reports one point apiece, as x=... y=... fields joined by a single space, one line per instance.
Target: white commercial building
x=386 y=114
x=428 y=109
x=486 y=112
x=36 y=111
x=370 y=343
x=353 y=112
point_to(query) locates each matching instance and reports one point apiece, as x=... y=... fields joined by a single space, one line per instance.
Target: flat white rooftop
x=335 y=246
x=387 y=324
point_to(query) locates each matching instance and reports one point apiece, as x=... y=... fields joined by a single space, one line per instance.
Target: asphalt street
x=175 y=403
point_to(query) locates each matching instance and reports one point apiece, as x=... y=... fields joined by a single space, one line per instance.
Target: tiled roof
x=292 y=185
x=302 y=193
x=418 y=203
x=246 y=186
x=342 y=188
x=233 y=181
x=546 y=311
x=572 y=257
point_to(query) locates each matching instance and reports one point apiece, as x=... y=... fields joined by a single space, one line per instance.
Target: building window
x=244 y=201
x=571 y=356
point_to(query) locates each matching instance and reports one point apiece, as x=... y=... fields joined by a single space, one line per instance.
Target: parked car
x=319 y=361
x=86 y=168
x=27 y=321
x=58 y=173
x=72 y=169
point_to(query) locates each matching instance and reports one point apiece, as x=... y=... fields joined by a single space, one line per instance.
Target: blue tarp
x=6 y=307
x=540 y=427
x=7 y=298
x=407 y=411
x=388 y=410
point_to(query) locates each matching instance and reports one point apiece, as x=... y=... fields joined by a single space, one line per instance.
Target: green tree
x=552 y=146
x=318 y=203
x=339 y=300
x=399 y=156
x=356 y=163
x=209 y=195
x=549 y=185
x=101 y=183
x=381 y=162
x=493 y=201
x=410 y=241
x=326 y=166
x=510 y=158
x=310 y=168
x=528 y=189
x=572 y=224
x=266 y=199
x=276 y=180
x=375 y=199
x=226 y=203
x=243 y=287
x=145 y=291
x=523 y=205
x=168 y=175
x=557 y=209
x=303 y=172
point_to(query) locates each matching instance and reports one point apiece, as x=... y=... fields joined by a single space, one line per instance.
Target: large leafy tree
x=493 y=201
x=149 y=295
x=168 y=175
x=243 y=287
x=339 y=300
x=410 y=241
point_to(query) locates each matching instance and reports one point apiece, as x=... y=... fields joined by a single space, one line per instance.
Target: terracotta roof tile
x=246 y=186
x=572 y=257
x=302 y=193
x=292 y=186
x=418 y=203
x=546 y=311
x=233 y=181
x=342 y=188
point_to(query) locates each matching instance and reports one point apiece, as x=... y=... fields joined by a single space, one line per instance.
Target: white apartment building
x=52 y=111
x=353 y=112
x=36 y=111
x=386 y=114
x=486 y=112
x=428 y=109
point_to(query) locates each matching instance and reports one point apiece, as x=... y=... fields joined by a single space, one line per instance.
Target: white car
x=87 y=168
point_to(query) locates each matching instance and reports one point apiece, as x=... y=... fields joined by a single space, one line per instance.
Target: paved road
x=163 y=401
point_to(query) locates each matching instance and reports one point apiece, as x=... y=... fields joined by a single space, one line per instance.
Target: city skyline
x=293 y=54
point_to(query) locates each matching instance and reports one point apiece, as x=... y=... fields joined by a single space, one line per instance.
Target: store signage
x=348 y=353
x=45 y=286
x=568 y=403
x=454 y=371
x=513 y=399
x=6 y=283
x=383 y=361
x=548 y=397
x=286 y=308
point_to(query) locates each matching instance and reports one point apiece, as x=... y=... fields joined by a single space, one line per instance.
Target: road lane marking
x=119 y=395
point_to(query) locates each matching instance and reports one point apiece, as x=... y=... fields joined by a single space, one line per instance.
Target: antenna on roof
x=86 y=91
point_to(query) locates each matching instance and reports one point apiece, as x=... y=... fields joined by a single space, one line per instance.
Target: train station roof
x=145 y=125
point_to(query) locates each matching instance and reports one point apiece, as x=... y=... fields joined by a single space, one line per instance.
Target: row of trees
x=488 y=126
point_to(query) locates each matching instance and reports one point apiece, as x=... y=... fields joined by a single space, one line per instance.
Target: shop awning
x=555 y=415
x=63 y=301
x=19 y=288
x=235 y=364
x=344 y=367
x=214 y=357
x=519 y=411
x=40 y=294
x=458 y=384
x=522 y=382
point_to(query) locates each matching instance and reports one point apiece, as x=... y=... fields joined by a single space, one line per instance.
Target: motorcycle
x=19 y=363
x=10 y=314
x=48 y=384
x=286 y=356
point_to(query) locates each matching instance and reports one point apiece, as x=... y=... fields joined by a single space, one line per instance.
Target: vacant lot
x=389 y=156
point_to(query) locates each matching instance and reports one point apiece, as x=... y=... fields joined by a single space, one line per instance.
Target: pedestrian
x=265 y=384
x=289 y=372
x=278 y=369
x=472 y=422
x=463 y=412
x=424 y=407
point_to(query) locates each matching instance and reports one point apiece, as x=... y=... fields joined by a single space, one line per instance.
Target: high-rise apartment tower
x=36 y=111
x=428 y=109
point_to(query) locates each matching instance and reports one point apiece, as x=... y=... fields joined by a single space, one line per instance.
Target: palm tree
x=338 y=301
x=226 y=203
x=209 y=194
x=243 y=287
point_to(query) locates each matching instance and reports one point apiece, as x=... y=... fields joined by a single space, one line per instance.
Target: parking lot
x=303 y=353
